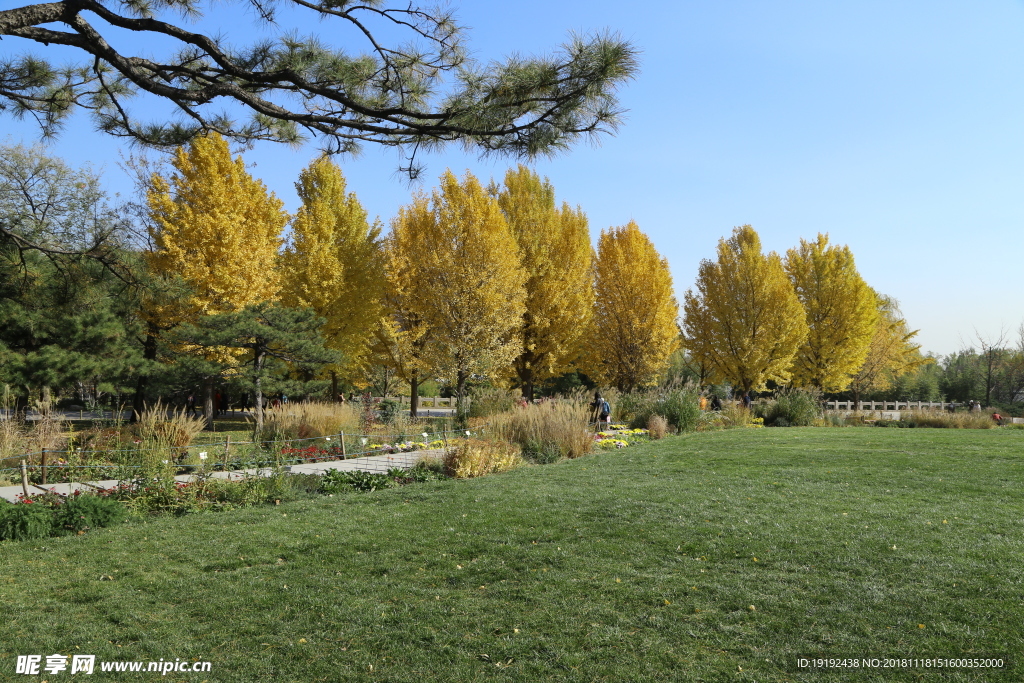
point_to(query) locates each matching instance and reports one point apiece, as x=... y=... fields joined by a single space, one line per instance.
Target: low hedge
x=29 y=520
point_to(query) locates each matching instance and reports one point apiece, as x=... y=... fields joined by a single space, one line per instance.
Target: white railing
x=889 y=405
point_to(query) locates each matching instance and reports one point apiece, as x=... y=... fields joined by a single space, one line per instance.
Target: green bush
x=541 y=452
x=87 y=512
x=679 y=405
x=388 y=409
x=336 y=481
x=25 y=521
x=791 y=408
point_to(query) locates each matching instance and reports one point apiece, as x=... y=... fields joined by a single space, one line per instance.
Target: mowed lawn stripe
x=717 y=556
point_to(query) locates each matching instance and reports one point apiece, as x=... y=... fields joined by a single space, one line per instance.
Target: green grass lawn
x=711 y=557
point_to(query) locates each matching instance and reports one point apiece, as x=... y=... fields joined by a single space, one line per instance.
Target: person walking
x=600 y=409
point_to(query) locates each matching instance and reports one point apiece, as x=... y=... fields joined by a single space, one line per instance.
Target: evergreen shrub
x=82 y=513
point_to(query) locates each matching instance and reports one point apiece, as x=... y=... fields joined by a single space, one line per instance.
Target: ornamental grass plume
x=657 y=426
x=174 y=429
x=13 y=441
x=310 y=420
x=547 y=428
x=941 y=419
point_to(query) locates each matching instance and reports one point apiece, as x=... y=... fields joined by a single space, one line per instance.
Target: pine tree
x=216 y=230
x=554 y=244
x=464 y=279
x=64 y=317
x=396 y=74
x=334 y=264
x=841 y=314
x=744 y=321
x=634 y=329
x=257 y=334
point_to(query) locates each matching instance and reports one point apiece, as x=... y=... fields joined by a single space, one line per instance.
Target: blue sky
x=894 y=127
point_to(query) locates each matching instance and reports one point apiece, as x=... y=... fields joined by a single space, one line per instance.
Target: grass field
x=710 y=557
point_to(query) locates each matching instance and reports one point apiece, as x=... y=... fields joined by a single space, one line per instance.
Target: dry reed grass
x=174 y=429
x=735 y=415
x=476 y=458
x=930 y=418
x=310 y=420
x=546 y=427
x=657 y=427
x=13 y=441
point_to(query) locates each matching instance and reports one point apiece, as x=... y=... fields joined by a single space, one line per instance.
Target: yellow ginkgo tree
x=554 y=245
x=334 y=264
x=841 y=313
x=215 y=231
x=463 y=281
x=891 y=351
x=744 y=321
x=634 y=330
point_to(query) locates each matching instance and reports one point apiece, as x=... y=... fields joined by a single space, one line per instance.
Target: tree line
x=471 y=281
x=207 y=282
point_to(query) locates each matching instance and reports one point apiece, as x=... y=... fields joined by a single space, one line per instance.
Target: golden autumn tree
x=891 y=351
x=333 y=264
x=841 y=312
x=744 y=321
x=215 y=230
x=634 y=328
x=401 y=335
x=466 y=291
x=554 y=245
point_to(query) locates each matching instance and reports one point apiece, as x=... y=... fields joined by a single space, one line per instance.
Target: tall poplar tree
x=841 y=314
x=334 y=264
x=216 y=230
x=634 y=329
x=554 y=244
x=744 y=321
x=468 y=294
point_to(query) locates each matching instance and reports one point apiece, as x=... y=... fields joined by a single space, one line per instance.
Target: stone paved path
x=369 y=463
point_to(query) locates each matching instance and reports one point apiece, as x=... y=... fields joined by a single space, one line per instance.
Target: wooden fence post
x=24 y=477
x=343 y=445
x=43 y=463
x=227 y=450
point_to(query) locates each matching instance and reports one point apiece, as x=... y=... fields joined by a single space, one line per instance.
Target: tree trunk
x=149 y=354
x=21 y=405
x=414 y=394
x=334 y=386
x=208 y=402
x=526 y=377
x=460 y=390
x=258 y=367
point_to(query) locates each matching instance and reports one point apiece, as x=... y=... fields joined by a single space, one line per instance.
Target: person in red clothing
x=998 y=418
